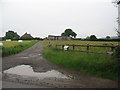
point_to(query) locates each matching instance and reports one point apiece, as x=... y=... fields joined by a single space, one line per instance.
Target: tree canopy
x=107 y=37
x=69 y=32
x=11 y=35
x=87 y=38
x=93 y=37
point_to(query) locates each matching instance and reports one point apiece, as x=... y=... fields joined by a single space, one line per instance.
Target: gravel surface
x=33 y=57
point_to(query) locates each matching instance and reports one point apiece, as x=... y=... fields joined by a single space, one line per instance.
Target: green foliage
x=87 y=38
x=12 y=35
x=69 y=32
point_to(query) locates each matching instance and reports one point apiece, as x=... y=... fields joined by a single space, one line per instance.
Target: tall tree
x=93 y=37
x=69 y=32
x=107 y=37
x=87 y=38
x=11 y=35
x=74 y=34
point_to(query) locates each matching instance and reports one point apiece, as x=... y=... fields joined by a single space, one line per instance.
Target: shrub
x=117 y=53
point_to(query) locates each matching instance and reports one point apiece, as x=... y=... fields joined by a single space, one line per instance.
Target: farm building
x=52 y=37
x=26 y=36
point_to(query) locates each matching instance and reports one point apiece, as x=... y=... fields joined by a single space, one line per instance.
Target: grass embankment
x=95 y=64
x=13 y=47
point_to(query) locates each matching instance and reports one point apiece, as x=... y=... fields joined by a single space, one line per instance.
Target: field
x=13 y=47
x=101 y=65
x=13 y=43
x=78 y=48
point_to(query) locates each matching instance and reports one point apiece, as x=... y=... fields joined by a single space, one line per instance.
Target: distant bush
x=116 y=40
x=37 y=38
x=76 y=38
x=108 y=39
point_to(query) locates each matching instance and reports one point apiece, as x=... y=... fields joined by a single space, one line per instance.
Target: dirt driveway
x=33 y=57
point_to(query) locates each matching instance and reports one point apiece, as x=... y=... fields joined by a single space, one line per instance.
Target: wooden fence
x=61 y=47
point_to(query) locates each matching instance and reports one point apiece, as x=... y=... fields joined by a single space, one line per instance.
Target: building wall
x=66 y=38
x=50 y=38
x=58 y=38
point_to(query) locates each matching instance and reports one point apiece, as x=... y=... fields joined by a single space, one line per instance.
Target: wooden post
x=56 y=46
x=112 y=48
x=68 y=47
x=49 y=44
x=62 y=47
x=87 y=48
x=73 y=47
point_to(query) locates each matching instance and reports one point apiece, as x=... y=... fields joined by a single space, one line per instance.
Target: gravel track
x=33 y=57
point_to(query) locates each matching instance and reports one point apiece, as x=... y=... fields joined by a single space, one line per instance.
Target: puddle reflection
x=27 y=70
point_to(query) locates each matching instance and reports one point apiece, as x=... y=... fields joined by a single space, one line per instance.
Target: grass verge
x=6 y=51
x=94 y=64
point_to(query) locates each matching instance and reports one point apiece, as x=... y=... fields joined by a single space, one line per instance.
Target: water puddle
x=34 y=55
x=0 y=75
x=24 y=57
x=27 y=70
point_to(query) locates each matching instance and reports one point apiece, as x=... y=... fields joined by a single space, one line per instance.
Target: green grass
x=100 y=65
x=16 y=47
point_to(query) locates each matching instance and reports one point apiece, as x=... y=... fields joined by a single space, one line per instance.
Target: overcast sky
x=51 y=17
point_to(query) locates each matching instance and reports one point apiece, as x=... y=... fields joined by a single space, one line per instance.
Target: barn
x=26 y=37
x=53 y=37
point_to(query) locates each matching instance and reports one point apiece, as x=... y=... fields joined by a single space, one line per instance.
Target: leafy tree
x=69 y=32
x=74 y=34
x=107 y=37
x=11 y=35
x=87 y=38
x=93 y=37
x=2 y=38
x=63 y=34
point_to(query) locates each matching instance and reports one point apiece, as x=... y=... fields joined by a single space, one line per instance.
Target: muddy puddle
x=27 y=70
x=0 y=75
x=24 y=57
